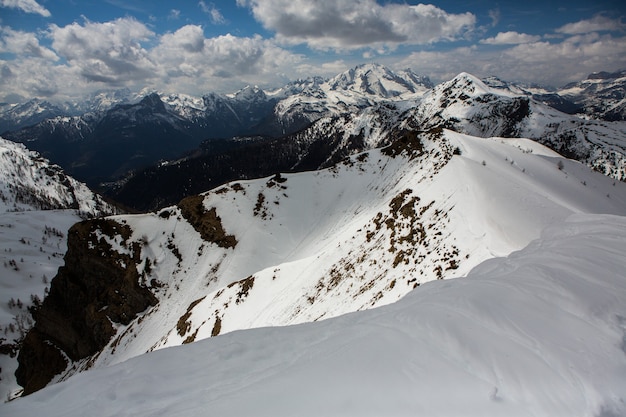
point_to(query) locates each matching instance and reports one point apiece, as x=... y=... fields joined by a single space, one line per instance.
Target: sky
x=63 y=49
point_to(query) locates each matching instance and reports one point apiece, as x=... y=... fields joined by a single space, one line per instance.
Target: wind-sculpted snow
x=539 y=332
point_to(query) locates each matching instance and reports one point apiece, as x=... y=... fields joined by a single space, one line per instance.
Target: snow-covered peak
x=296 y=87
x=601 y=96
x=249 y=93
x=15 y=116
x=350 y=92
x=101 y=101
x=378 y=80
x=183 y=101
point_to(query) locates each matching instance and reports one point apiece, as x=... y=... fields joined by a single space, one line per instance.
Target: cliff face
x=98 y=285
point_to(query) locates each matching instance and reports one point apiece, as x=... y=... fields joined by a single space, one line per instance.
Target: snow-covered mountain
x=349 y=92
x=468 y=105
x=602 y=95
x=176 y=124
x=17 y=116
x=102 y=146
x=540 y=332
x=301 y=247
x=38 y=204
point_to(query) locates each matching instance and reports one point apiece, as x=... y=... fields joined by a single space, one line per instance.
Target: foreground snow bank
x=538 y=333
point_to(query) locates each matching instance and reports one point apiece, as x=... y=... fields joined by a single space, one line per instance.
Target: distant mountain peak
x=378 y=80
x=250 y=92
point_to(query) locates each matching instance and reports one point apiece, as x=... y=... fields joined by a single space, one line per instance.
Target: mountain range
x=386 y=184
x=464 y=104
x=122 y=133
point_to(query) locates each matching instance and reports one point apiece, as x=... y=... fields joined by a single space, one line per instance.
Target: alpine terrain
x=379 y=246
x=38 y=204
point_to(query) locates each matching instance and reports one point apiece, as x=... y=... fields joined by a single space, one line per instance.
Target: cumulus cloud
x=174 y=14
x=108 y=52
x=28 y=6
x=597 y=23
x=23 y=44
x=576 y=50
x=89 y=56
x=216 y=16
x=353 y=24
x=187 y=53
x=510 y=38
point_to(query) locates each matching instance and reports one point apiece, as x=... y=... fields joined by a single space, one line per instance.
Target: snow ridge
x=539 y=332
x=359 y=235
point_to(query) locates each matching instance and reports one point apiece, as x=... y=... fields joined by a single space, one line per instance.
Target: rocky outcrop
x=97 y=286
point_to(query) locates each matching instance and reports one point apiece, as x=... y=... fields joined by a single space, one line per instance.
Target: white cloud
x=577 y=50
x=216 y=16
x=510 y=38
x=108 y=52
x=354 y=24
x=597 y=23
x=324 y=69
x=28 y=6
x=23 y=44
x=89 y=56
x=549 y=63
x=187 y=53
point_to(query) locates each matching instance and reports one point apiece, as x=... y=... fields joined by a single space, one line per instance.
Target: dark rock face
x=96 y=286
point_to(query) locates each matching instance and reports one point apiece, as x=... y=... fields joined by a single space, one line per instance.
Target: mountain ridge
x=357 y=235
x=540 y=330
x=187 y=121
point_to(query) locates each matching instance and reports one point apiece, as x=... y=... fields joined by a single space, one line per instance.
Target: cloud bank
x=125 y=52
x=68 y=61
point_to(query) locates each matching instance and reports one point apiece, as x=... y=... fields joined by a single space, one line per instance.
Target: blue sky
x=60 y=49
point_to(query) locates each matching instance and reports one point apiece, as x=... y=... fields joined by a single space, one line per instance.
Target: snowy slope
x=538 y=333
x=310 y=246
x=38 y=204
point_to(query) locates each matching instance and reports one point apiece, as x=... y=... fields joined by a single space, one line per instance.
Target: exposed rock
x=97 y=286
x=207 y=223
